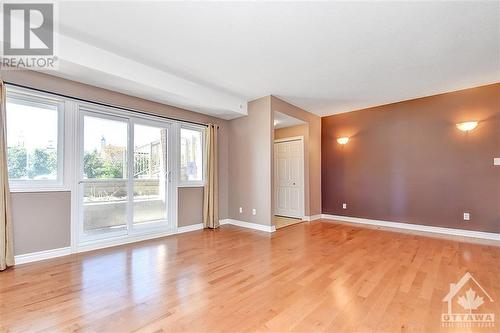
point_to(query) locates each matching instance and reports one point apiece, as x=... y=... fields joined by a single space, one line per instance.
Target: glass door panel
x=149 y=175
x=104 y=184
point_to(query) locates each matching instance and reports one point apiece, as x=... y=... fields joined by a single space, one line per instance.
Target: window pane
x=191 y=155
x=150 y=156
x=104 y=206
x=105 y=148
x=104 y=165
x=32 y=140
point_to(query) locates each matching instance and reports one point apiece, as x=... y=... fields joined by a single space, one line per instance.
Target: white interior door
x=289 y=178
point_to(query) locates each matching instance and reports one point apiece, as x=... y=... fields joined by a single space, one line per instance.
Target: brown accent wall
x=407 y=162
x=312 y=159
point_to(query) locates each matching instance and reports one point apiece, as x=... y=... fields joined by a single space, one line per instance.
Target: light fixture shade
x=467 y=126
x=343 y=140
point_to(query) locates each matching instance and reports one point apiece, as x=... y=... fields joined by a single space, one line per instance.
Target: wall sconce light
x=343 y=140
x=467 y=126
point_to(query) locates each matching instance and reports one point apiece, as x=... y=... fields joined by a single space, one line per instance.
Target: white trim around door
x=289 y=179
x=129 y=228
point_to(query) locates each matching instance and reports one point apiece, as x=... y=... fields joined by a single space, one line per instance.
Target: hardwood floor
x=282 y=222
x=309 y=277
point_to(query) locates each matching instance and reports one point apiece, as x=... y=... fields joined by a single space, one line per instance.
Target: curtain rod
x=105 y=104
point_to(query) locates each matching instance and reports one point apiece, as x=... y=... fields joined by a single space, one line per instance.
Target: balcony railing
x=147 y=162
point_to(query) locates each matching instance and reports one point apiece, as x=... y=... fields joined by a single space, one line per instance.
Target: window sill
x=191 y=185
x=39 y=189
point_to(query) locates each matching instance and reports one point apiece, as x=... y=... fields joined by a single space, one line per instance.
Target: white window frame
x=69 y=168
x=192 y=183
x=42 y=185
x=166 y=223
x=160 y=227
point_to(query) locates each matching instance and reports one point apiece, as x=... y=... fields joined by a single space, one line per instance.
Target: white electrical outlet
x=466 y=217
x=344 y=206
x=254 y=211
x=496 y=161
x=241 y=210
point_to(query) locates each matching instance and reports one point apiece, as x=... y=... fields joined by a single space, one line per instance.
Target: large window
x=121 y=167
x=34 y=141
x=191 y=156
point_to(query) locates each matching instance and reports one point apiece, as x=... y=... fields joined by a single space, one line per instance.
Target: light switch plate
x=496 y=161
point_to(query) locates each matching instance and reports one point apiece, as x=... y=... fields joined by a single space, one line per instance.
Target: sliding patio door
x=150 y=175
x=124 y=171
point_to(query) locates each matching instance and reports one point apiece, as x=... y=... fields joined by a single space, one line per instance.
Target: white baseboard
x=42 y=255
x=416 y=227
x=243 y=224
x=312 y=217
x=189 y=228
x=105 y=243
x=99 y=244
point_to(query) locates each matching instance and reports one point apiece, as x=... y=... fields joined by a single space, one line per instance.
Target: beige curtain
x=211 y=192
x=6 y=244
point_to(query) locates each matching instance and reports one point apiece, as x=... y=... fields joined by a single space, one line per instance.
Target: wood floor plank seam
x=308 y=277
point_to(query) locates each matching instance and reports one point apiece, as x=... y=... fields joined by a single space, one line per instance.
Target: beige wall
x=55 y=220
x=250 y=150
x=299 y=130
x=313 y=157
x=288 y=132
x=251 y=162
x=190 y=204
x=42 y=221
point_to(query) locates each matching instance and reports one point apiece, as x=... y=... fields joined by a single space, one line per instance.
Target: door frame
x=275 y=187
x=79 y=158
x=159 y=225
x=79 y=240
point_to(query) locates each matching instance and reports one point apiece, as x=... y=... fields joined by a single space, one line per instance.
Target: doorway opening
x=289 y=169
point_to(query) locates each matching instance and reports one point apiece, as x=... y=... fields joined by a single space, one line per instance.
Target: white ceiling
x=326 y=57
x=282 y=120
